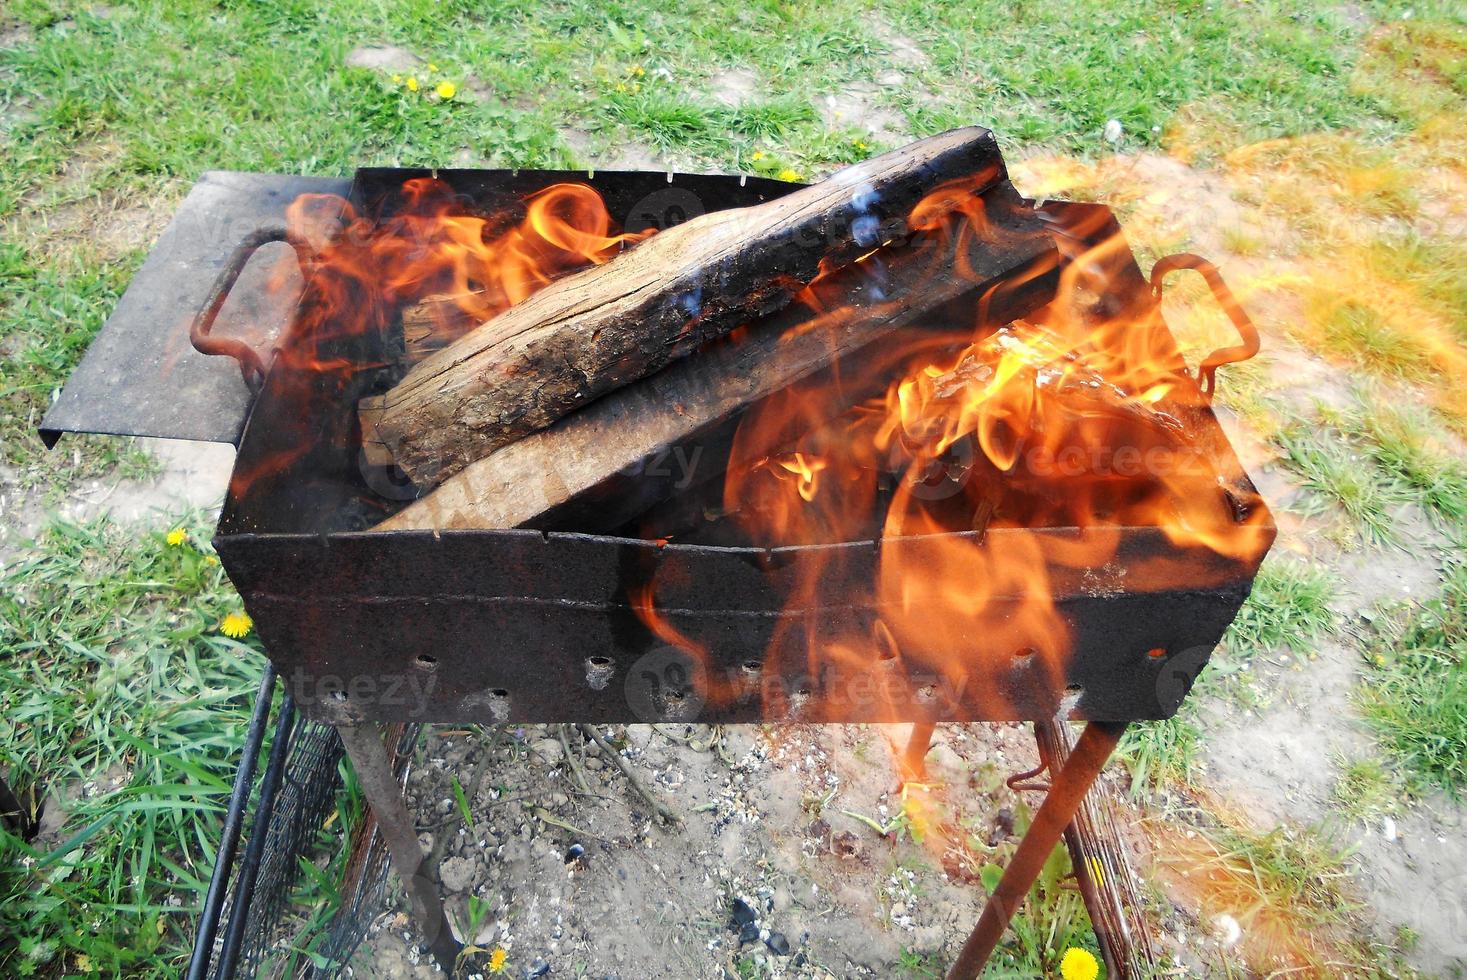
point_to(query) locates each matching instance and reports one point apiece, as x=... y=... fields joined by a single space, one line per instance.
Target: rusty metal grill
x=516 y=626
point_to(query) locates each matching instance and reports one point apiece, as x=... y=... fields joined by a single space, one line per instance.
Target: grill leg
x=1067 y=790
x=914 y=765
x=379 y=785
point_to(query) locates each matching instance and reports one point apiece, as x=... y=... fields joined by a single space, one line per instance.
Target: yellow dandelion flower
x=758 y=155
x=446 y=90
x=496 y=960
x=396 y=79
x=237 y=625
x=412 y=83
x=176 y=537
x=861 y=145
x=432 y=68
x=84 y=963
x=638 y=70
x=621 y=86
x=211 y=560
x=788 y=174
x=1079 y=964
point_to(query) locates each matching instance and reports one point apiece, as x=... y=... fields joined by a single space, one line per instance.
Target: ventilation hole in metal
x=598 y=672
x=927 y=693
x=499 y=704
x=753 y=666
x=426 y=662
x=1024 y=653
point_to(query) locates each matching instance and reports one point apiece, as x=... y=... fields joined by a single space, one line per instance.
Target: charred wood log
x=604 y=327
x=591 y=469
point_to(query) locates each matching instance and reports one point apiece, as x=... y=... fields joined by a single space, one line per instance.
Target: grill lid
x=141 y=376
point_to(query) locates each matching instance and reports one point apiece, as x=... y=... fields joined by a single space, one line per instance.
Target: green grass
x=1159 y=754
x=1054 y=72
x=1289 y=608
x=1414 y=694
x=49 y=311
x=1361 y=331
x=1295 y=869
x=1409 y=447
x=135 y=100
x=111 y=666
x=1336 y=475
x=1373 y=457
x=1366 y=789
x=1290 y=890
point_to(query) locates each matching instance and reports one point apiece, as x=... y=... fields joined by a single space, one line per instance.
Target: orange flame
x=362 y=270
x=1054 y=433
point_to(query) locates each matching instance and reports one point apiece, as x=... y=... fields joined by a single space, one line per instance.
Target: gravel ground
x=765 y=818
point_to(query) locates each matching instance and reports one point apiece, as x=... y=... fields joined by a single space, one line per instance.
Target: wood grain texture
x=594 y=463
x=599 y=329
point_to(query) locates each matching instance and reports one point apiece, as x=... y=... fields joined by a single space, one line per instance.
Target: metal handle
x=1230 y=305
x=251 y=365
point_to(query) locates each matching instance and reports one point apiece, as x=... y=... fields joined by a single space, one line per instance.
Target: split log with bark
x=607 y=326
x=593 y=465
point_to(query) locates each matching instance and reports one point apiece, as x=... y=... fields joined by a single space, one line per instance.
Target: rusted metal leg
x=379 y=785
x=1102 y=870
x=1067 y=790
x=914 y=765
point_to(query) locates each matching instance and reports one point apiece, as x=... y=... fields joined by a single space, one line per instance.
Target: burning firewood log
x=609 y=325
x=595 y=461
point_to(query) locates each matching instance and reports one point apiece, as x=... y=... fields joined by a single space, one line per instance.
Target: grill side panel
x=513 y=626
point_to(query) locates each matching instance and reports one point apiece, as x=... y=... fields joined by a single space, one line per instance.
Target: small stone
x=1227 y=929
x=457 y=874
x=549 y=749
x=945 y=759
x=574 y=853
x=748 y=933
x=1388 y=829
x=898 y=910
x=778 y=944
x=781 y=899
x=927 y=939
x=384 y=59
x=1113 y=131
x=892 y=77
x=538 y=968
